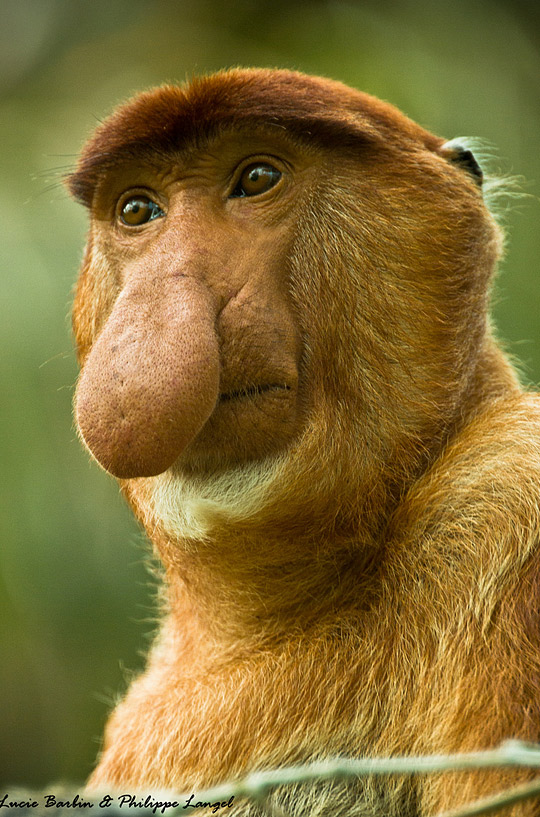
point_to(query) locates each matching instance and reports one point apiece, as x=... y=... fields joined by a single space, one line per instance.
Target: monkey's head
x=278 y=268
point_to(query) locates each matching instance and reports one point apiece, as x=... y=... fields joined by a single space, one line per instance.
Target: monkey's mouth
x=253 y=391
x=251 y=421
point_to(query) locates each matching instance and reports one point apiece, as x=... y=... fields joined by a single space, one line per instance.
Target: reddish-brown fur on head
x=299 y=391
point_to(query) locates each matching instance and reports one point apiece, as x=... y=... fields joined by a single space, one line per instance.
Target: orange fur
x=349 y=520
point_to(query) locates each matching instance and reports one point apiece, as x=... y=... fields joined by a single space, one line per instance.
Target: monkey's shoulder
x=496 y=453
x=485 y=485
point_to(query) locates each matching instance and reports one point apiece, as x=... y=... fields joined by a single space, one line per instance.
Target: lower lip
x=253 y=392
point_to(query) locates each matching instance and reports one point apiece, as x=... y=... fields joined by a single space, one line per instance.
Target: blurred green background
x=75 y=597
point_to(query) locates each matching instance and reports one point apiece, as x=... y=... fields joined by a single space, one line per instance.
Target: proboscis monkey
x=288 y=364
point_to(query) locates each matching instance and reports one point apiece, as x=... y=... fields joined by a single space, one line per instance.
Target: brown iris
x=256 y=179
x=139 y=210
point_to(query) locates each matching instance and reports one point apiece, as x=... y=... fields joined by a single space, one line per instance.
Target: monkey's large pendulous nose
x=150 y=381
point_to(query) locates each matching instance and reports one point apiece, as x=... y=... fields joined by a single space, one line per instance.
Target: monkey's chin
x=245 y=426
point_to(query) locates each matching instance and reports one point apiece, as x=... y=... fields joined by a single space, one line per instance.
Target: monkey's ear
x=461 y=155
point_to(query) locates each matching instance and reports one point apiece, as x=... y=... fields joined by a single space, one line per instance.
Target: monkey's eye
x=256 y=179
x=138 y=210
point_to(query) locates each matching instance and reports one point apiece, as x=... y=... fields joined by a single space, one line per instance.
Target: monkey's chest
x=186 y=734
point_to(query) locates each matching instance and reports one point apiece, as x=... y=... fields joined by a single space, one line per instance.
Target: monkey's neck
x=242 y=587
x=287 y=601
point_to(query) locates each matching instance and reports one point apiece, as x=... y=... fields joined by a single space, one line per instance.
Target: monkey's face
x=275 y=263
x=189 y=344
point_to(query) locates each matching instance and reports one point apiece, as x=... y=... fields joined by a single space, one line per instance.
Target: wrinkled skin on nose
x=151 y=379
